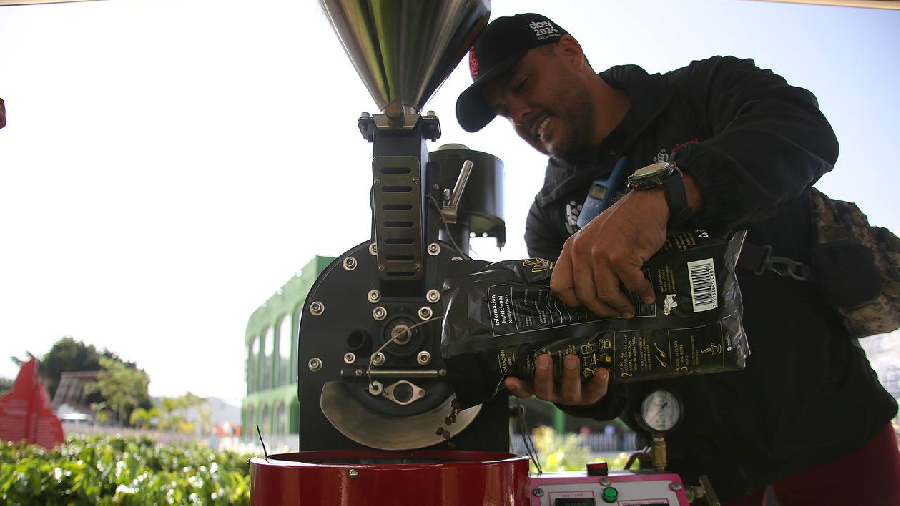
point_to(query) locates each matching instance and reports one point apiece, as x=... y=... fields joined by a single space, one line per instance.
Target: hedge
x=104 y=470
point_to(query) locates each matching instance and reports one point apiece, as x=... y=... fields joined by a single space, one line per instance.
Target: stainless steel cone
x=404 y=49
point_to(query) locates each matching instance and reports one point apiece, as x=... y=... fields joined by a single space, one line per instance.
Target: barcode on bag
x=702 y=275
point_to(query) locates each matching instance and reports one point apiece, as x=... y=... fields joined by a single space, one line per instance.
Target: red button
x=597 y=469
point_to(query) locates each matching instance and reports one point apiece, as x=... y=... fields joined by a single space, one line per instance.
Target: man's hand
x=609 y=251
x=571 y=392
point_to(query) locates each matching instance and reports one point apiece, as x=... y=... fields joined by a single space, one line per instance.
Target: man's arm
x=767 y=141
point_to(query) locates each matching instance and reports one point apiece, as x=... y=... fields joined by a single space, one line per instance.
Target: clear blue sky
x=169 y=164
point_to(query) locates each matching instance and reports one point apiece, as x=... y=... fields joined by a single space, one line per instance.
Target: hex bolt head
x=373 y=249
x=674 y=486
x=425 y=313
x=353 y=474
x=434 y=249
x=315 y=364
x=374 y=296
x=433 y=296
x=364 y=114
x=378 y=358
x=349 y=358
x=538 y=492
x=423 y=358
x=379 y=313
x=349 y=264
x=316 y=308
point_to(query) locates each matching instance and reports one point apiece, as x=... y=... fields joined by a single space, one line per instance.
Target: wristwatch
x=667 y=176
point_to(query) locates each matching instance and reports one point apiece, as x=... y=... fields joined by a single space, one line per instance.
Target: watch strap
x=676 y=198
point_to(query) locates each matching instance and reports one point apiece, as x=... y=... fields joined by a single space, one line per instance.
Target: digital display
x=574 y=501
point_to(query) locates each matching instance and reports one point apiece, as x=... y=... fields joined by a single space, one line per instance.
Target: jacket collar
x=649 y=96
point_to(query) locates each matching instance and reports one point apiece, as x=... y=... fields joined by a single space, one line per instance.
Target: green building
x=271 y=345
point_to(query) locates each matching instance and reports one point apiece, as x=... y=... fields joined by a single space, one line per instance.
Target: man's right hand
x=572 y=392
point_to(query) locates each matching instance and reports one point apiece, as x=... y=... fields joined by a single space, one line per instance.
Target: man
x=807 y=410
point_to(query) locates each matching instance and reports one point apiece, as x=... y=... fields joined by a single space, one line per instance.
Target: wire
x=526 y=438
x=394 y=338
x=447 y=229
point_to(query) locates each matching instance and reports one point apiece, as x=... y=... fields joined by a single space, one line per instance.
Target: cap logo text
x=543 y=29
x=473 y=64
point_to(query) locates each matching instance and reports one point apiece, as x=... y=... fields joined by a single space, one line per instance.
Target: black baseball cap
x=500 y=46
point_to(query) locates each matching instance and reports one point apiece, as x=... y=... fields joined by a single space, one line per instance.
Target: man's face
x=547 y=103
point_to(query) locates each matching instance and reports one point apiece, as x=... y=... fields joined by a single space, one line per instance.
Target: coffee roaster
x=378 y=421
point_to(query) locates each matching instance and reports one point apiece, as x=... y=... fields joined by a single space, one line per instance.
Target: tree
x=67 y=355
x=123 y=387
x=143 y=418
x=173 y=412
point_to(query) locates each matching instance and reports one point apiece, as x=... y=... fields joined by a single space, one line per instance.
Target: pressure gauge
x=660 y=411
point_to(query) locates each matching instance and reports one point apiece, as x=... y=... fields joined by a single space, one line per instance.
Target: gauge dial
x=661 y=411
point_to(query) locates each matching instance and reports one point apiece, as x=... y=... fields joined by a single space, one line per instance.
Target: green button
x=610 y=494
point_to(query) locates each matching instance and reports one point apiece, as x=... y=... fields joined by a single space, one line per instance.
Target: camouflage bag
x=856 y=266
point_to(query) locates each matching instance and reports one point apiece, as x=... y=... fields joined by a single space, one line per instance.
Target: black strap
x=759 y=260
x=676 y=198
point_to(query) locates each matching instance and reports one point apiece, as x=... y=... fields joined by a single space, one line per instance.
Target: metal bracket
x=451 y=200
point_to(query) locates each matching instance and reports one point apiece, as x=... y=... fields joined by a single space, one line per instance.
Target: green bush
x=89 y=470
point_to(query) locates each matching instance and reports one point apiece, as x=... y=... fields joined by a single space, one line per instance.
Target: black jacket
x=754 y=144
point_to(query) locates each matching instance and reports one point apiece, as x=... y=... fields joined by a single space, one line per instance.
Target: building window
x=284 y=350
x=253 y=366
x=280 y=419
x=295 y=341
x=268 y=346
x=265 y=421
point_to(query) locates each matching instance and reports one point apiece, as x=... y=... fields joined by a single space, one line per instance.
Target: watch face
x=660 y=411
x=652 y=169
x=650 y=176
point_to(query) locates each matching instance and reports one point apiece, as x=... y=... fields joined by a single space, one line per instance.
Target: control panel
x=618 y=488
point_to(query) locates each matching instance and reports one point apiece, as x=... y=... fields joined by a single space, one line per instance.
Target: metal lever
x=449 y=212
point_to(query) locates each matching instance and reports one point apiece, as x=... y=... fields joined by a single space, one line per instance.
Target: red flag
x=25 y=411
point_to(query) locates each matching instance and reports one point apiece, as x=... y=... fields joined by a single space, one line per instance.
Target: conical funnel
x=404 y=49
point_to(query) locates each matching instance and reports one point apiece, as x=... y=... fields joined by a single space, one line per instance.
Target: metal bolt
x=349 y=264
x=425 y=313
x=423 y=357
x=315 y=364
x=316 y=308
x=415 y=180
x=379 y=313
x=364 y=114
x=375 y=388
x=538 y=492
x=442 y=372
x=349 y=358
x=429 y=114
x=674 y=486
x=353 y=473
x=359 y=372
x=378 y=358
x=605 y=482
x=374 y=296
x=400 y=333
x=418 y=267
x=373 y=249
x=434 y=248
x=433 y=296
